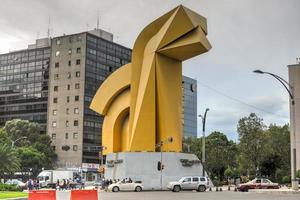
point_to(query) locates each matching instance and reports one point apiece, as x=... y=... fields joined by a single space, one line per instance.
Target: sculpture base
x=143 y=166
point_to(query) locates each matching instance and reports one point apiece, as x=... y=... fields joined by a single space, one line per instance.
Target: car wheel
x=246 y=189
x=138 y=189
x=176 y=188
x=201 y=188
x=116 y=189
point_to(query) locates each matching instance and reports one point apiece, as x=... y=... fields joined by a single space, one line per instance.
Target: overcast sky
x=245 y=35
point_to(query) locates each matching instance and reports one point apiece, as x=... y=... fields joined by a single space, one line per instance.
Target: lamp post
x=289 y=88
x=13 y=142
x=160 y=145
x=203 y=119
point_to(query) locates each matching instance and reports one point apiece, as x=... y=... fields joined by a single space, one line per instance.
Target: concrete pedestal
x=142 y=166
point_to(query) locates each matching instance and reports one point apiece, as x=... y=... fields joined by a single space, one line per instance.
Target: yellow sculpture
x=142 y=101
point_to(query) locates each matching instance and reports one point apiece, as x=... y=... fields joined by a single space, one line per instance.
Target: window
x=75 y=147
x=186 y=180
x=76 y=98
x=57 y=53
x=58 y=41
x=75 y=122
x=75 y=135
x=202 y=179
x=69 y=75
x=55 y=100
x=67 y=123
x=78 y=62
x=68 y=87
x=77 y=86
x=195 y=179
x=78 y=50
x=77 y=74
x=67 y=136
x=54 y=124
x=68 y=99
x=57 y=65
x=54 y=112
x=67 y=111
x=55 y=88
x=55 y=76
x=76 y=110
x=69 y=63
x=70 y=51
x=53 y=136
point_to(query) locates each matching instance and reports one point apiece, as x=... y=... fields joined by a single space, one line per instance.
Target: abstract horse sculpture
x=142 y=101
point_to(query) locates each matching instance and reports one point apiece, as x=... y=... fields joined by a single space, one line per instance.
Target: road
x=185 y=195
x=225 y=195
x=195 y=195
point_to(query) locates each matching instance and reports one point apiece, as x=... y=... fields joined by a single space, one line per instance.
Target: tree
x=298 y=174
x=34 y=152
x=31 y=160
x=252 y=139
x=9 y=161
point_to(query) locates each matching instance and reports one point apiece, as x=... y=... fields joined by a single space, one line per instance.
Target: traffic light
x=159 y=166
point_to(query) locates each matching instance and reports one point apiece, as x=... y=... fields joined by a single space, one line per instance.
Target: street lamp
x=203 y=119
x=13 y=142
x=289 y=88
x=160 y=145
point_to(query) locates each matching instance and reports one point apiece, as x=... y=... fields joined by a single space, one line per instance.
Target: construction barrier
x=42 y=195
x=84 y=195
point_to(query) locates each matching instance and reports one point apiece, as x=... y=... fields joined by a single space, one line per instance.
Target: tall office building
x=53 y=82
x=24 y=84
x=79 y=64
x=294 y=80
x=189 y=107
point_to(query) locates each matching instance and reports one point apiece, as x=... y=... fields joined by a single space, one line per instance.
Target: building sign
x=189 y=163
x=111 y=163
x=90 y=166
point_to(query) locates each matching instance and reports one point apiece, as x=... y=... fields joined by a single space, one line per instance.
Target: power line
x=241 y=102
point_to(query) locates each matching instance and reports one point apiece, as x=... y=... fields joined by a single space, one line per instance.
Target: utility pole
x=203 y=119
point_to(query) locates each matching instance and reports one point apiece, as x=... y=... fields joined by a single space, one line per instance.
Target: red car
x=257 y=183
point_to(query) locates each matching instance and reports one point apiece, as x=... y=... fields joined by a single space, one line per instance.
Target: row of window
x=75 y=148
x=76 y=111
x=76 y=98
x=75 y=136
x=71 y=39
x=55 y=88
x=67 y=123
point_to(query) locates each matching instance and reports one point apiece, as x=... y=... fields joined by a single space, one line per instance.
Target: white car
x=190 y=183
x=123 y=186
x=16 y=182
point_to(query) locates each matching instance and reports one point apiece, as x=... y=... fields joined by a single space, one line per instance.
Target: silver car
x=198 y=183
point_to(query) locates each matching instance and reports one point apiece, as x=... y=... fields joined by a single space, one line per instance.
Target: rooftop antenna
x=48 y=31
x=98 y=19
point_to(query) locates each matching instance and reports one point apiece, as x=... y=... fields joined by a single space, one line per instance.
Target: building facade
x=53 y=82
x=24 y=84
x=294 y=80
x=189 y=107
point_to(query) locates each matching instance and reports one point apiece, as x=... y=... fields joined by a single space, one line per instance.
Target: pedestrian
x=110 y=182
x=129 y=181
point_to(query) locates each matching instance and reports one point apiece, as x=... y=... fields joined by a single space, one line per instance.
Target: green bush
x=285 y=180
x=5 y=187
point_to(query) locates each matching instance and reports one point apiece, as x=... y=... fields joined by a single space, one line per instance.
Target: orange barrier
x=84 y=195
x=42 y=195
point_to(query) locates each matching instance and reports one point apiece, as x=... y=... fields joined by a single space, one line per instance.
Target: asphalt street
x=187 y=195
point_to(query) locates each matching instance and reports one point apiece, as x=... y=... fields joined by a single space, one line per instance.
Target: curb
x=274 y=191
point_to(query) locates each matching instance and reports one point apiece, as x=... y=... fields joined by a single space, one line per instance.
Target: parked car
x=16 y=182
x=198 y=183
x=258 y=183
x=125 y=186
